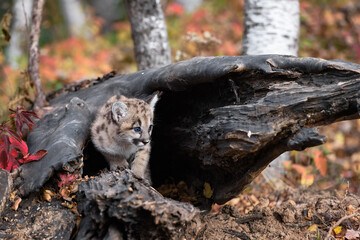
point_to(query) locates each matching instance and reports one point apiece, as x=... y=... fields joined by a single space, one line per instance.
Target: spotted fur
x=121 y=132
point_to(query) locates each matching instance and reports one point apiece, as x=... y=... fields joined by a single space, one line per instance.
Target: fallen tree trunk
x=220 y=121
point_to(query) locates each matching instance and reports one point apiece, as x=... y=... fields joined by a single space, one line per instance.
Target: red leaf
x=5 y=143
x=66 y=179
x=14 y=134
x=21 y=116
x=13 y=153
x=20 y=145
x=8 y=161
x=3 y=160
x=38 y=155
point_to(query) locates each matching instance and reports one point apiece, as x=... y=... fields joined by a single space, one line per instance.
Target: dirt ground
x=295 y=214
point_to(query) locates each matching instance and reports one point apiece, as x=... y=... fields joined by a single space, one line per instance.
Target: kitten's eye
x=137 y=129
x=150 y=128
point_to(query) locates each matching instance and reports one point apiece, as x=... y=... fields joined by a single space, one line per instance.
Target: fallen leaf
x=208 y=192
x=47 y=195
x=352 y=234
x=350 y=209
x=337 y=230
x=312 y=228
x=16 y=204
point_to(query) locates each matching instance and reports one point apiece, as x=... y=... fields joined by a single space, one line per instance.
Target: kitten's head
x=134 y=120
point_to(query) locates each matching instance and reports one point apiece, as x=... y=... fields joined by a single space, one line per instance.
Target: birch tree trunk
x=21 y=21
x=149 y=33
x=272 y=27
x=75 y=18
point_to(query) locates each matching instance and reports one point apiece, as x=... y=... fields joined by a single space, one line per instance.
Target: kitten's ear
x=119 y=110
x=152 y=100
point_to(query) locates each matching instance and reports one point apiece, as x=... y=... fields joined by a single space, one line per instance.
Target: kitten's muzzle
x=140 y=142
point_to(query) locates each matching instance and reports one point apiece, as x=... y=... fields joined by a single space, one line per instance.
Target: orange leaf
x=320 y=162
x=307 y=179
x=300 y=169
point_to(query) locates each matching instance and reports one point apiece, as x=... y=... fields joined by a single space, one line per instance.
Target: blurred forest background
x=328 y=29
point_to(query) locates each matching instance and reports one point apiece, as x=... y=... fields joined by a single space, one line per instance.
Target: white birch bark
x=21 y=20
x=149 y=33
x=272 y=27
x=190 y=5
x=75 y=18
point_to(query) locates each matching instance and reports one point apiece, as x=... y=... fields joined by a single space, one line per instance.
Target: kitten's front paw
x=138 y=174
x=141 y=176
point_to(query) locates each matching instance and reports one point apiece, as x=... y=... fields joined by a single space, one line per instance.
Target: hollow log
x=220 y=120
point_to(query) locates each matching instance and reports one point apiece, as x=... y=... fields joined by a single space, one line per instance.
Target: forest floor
x=312 y=206
x=290 y=214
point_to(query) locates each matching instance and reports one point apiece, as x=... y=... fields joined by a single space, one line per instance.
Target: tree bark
x=33 y=66
x=21 y=21
x=75 y=18
x=271 y=27
x=148 y=30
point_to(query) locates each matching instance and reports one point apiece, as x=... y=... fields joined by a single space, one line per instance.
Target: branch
x=33 y=66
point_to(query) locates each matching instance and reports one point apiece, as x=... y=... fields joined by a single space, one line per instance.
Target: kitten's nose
x=145 y=141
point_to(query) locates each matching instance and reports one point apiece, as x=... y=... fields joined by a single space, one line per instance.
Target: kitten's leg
x=140 y=164
x=116 y=162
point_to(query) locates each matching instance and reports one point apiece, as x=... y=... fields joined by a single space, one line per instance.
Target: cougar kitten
x=121 y=132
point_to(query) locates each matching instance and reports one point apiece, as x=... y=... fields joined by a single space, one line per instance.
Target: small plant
x=13 y=150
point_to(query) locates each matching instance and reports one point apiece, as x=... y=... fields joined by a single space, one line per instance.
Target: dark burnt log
x=221 y=120
x=63 y=133
x=36 y=219
x=5 y=188
x=124 y=208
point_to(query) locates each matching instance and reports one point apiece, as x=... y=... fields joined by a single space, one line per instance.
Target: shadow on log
x=221 y=120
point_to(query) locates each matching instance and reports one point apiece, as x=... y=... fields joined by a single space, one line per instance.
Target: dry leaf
x=47 y=195
x=337 y=230
x=16 y=204
x=352 y=234
x=350 y=209
x=68 y=205
x=208 y=192
x=312 y=228
x=64 y=192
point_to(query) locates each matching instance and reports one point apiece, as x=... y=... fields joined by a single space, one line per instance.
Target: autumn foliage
x=13 y=150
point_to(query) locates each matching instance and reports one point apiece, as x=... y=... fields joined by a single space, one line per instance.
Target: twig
x=33 y=66
x=240 y=235
x=249 y=218
x=328 y=236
